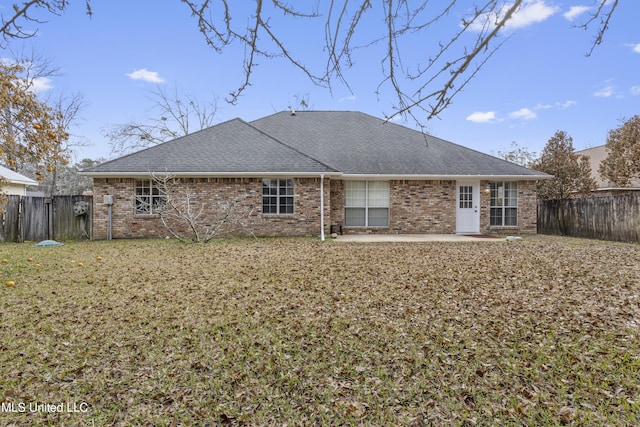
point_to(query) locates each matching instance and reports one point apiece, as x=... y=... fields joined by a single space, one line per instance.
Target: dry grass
x=300 y=332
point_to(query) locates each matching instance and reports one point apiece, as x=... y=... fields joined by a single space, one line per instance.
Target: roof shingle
x=347 y=142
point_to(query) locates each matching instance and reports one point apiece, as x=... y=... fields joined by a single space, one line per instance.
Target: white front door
x=468 y=207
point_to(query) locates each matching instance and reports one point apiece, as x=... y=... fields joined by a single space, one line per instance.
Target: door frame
x=475 y=227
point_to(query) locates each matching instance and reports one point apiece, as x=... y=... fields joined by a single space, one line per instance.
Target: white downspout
x=322 y=207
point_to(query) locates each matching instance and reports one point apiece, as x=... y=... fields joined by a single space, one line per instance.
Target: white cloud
x=565 y=104
x=635 y=90
x=531 y=12
x=605 y=92
x=350 y=98
x=575 y=11
x=482 y=117
x=146 y=75
x=634 y=47
x=40 y=84
x=523 y=113
x=543 y=107
x=561 y=105
x=37 y=84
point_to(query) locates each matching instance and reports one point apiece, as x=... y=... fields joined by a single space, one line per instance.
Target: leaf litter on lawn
x=299 y=332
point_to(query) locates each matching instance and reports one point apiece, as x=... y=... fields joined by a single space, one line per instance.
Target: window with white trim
x=504 y=204
x=149 y=198
x=366 y=204
x=277 y=196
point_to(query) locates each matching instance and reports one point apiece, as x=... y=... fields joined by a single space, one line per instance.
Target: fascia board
x=360 y=177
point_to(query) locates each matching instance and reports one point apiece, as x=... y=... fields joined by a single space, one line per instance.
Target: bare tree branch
x=13 y=28
x=605 y=17
x=428 y=87
x=191 y=218
x=173 y=116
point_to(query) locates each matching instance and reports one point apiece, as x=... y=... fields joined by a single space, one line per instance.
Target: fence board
x=40 y=218
x=35 y=225
x=66 y=224
x=614 y=217
x=10 y=219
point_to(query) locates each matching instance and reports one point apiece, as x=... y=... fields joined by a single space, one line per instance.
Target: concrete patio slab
x=415 y=238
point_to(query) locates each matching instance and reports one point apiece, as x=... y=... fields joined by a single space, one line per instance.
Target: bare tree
x=518 y=155
x=173 y=116
x=67 y=108
x=422 y=85
x=190 y=218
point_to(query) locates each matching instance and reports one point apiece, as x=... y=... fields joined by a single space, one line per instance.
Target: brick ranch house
x=309 y=172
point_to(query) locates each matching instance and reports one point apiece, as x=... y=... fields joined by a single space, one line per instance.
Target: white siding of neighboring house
x=17 y=184
x=15 y=189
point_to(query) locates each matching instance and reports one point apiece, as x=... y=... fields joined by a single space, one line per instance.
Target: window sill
x=146 y=216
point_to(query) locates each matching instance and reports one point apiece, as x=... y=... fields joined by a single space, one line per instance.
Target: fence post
x=20 y=236
x=49 y=218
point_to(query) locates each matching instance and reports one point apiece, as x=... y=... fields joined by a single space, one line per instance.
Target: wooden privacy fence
x=46 y=218
x=614 y=217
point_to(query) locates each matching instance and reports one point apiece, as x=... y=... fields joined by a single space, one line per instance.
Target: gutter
x=373 y=177
x=345 y=176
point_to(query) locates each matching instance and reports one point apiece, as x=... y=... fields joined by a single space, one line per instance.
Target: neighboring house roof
x=15 y=178
x=596 y=155
x=313 y=142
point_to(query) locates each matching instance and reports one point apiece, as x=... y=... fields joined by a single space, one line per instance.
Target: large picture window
x=366 y=204
x=277 y=196
x=149 y=199
x=504 y=204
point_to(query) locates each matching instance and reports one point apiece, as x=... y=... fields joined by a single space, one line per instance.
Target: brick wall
x=423 y=207
x=245 y=192
x=416 y=207
x=337 y=202
x=527 y=210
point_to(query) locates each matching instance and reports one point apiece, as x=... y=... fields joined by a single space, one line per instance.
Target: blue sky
x=538 y=82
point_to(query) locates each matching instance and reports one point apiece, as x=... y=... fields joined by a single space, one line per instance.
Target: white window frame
x=149 y=199
x=368 y=202
x=500 y=200
x=281 y=200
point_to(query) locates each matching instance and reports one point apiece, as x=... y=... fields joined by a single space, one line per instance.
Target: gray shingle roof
x=357 y=143
x=229 y=147
x=351 y=143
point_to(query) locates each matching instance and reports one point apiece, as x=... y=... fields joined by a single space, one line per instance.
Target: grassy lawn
x=299 y=332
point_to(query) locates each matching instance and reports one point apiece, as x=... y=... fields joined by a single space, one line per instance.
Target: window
x=466 y=197
x=149 y=198
x=366 y=204
x=277 y=196
x=504 y=204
